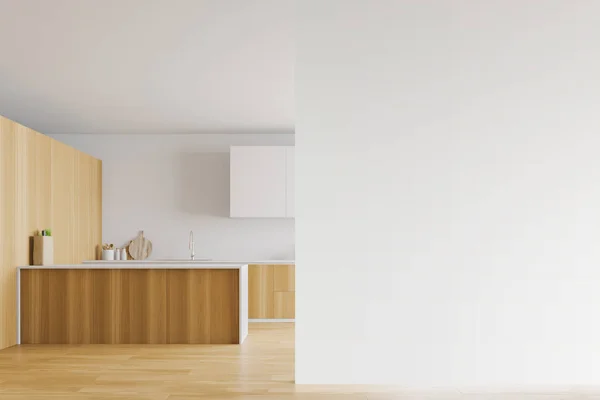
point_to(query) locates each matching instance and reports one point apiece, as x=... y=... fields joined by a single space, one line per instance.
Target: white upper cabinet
x=259 y=182
x=290 y=182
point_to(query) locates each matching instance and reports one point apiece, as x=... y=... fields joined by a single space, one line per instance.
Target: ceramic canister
x=108 y=255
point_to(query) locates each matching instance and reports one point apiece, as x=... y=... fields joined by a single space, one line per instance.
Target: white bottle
x=123 y=254
x=117 y=254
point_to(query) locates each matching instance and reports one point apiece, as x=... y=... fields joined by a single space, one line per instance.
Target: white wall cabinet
x=260 y=182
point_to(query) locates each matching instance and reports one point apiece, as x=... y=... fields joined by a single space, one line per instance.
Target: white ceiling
x=148 y=66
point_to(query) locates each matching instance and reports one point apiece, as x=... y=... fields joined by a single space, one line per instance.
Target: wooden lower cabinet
x=285 y=305
x=129 y=306
x=260 y=291
x=271 y=291
x=284 y=278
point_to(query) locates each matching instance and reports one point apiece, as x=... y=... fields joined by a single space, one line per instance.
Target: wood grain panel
x=58 y=322
x=78 y=313
x=260 y=291
x=105 y=303
x=96 y=207
x=188 y=295
x=43 y=183
x=39 y=183
x=284 y=278
x=22 y=201
x=224 y=306
x=80 y=206
x=269 y=291
x=63 y=195
x=49 y=314
x=129 y=306
x=143 y=306
x=39 y=190
x=36 y=326
x=8 y=206
x=285 y=305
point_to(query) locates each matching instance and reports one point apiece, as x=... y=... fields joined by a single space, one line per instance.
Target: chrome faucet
x=191 y=246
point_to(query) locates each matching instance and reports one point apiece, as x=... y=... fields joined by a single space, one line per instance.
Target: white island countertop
x=140 y=265
x=196 y=261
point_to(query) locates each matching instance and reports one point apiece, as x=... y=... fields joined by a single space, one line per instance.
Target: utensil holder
x=108 y=255
x=43 y=250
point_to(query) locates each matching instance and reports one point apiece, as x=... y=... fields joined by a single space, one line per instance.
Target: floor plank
x=261 y=368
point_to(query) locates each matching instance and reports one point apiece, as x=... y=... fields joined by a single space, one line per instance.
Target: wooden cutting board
x=140 y=247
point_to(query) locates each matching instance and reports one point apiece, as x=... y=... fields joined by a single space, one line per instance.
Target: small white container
x=123 y=254
x=117 y=254
x=43 y=250
x=108 y=255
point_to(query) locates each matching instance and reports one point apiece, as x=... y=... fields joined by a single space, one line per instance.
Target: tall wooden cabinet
x=272 y=292
x=44 y=184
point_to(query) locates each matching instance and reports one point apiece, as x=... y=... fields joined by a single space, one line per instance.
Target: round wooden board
x=140 y=247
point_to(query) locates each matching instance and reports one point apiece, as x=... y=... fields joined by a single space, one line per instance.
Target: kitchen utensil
x=140 y=247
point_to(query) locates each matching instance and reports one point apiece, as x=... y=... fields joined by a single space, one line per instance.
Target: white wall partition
x=290 y=182
x=448 y=193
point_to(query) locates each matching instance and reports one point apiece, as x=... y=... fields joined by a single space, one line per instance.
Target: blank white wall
x=167 y=185
x=448 y=192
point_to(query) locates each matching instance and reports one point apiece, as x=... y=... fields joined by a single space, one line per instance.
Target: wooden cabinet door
x=260 y=292
x=284 y=297
x=285 y=305
x=284 y=278
x=271 y=292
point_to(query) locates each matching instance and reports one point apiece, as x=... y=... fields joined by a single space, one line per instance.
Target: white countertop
x=272 y=262
x=140 y=265
x=196 y=261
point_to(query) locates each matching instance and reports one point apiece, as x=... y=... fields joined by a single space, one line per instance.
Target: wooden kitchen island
x=133 y=302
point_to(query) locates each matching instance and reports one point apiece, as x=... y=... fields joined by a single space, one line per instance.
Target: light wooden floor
x=263 y=367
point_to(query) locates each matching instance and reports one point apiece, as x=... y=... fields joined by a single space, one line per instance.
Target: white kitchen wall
x=448 y=193
x=167 y=184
